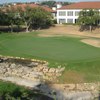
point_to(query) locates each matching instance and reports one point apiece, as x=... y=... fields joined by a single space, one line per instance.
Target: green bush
x=10 y=91
x=55 y=21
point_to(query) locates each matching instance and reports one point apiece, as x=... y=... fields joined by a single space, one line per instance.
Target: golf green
x=62 y=49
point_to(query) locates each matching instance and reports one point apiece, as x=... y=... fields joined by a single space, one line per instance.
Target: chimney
x=59 y=5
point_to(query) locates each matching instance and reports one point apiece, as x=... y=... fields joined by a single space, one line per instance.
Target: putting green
x=64 y=49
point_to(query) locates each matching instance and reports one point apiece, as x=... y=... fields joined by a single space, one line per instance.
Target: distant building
x=70 y=13
x=58 y=5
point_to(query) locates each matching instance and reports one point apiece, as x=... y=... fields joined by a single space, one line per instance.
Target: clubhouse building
x=64 y=14
x=70 y=13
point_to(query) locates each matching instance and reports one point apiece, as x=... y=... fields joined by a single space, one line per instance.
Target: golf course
x=81 y=61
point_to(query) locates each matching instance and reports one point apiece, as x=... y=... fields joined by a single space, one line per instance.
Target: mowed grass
x=82 y=61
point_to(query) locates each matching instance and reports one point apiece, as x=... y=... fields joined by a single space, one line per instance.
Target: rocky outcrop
x=81 y=91
x=35 y=73
x=28 y=69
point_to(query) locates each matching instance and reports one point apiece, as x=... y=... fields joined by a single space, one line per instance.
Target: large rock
x=62 y=69
x=33 y=64
x=88 y=86
x=40 y=68
x=13 y=65
x=21 y=81
x=69 y=87
x=75 y=95
x=52 y=70
x=45 y=70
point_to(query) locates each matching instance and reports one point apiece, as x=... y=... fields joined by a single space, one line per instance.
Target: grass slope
x=10 y=91
x=77 y=57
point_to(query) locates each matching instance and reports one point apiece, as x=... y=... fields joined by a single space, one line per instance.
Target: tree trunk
x=11 y=27
x=90 y=28
x=18 y=28
x=27 y=27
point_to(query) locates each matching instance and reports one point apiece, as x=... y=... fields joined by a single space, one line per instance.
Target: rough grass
x=81 y=59
x=10 y=91
x=8 y=87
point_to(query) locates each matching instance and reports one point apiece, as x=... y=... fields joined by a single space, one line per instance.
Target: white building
x=57 y=6
x=70 y=13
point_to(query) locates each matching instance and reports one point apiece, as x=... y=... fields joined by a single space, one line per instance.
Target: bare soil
x=92 y=42
x=68 y=30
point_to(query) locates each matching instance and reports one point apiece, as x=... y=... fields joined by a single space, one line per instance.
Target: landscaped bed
x=82 y=61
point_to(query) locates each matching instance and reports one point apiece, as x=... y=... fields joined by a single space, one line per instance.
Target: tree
x=48 y=3
x=26 y=16
x=3 y=18
x=89 y=18
x=30 y=17
x=41 y=18
x=35 y=18
x=66 y=3
x=18 y=19
x=11 y=15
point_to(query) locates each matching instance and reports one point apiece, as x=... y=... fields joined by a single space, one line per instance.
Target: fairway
x=62 y=50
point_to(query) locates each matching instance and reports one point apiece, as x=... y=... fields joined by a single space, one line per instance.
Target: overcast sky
x=7 y=1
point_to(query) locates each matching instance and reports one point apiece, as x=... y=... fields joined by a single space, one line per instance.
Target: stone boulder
x=52 y=70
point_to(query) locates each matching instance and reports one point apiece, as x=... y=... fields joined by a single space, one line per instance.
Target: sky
x=7 y=1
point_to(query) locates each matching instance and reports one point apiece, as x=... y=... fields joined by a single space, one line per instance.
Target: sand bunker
x=92 y=42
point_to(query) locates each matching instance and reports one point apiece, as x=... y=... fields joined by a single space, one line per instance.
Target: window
x=77 y=13
x=76 y=20
x=62 y=13
x=70 y=13
x=61 y=21
x=69 y=20
x=97 y=22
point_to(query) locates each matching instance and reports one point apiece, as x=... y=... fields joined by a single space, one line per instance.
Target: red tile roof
x=22 y=6
x=83 y=5
x=47 y=8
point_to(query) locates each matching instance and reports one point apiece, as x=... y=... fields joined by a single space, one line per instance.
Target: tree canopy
x=29 y=17
x=89 y=17
x=48 y=3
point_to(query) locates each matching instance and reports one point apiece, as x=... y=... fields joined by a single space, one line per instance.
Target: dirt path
x=68 y=30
